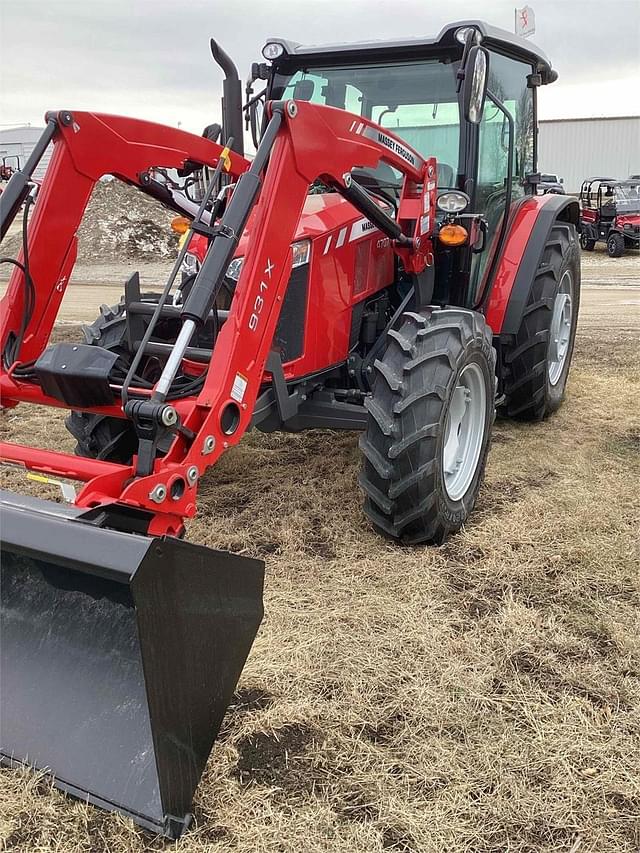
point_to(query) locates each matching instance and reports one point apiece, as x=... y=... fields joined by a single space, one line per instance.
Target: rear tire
x=615 y=245
x=535 y=364
x=422 y=415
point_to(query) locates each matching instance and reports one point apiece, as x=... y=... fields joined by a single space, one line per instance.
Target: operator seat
x=384 y=180
x=608 y=208
x=445 y=175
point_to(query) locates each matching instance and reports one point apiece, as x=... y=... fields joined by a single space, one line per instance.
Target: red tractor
x=384 y=264
x=610 y=213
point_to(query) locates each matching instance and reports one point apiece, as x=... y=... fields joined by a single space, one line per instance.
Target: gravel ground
x=481 y=697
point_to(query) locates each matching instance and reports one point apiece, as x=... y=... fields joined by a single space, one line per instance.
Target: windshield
x=625 y=197
x=549 y=179
x=628 y=197
x=416 y=100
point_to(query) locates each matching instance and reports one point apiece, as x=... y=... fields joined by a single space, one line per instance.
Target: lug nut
x=208 y=445
x=158 y=493
x=192 y=475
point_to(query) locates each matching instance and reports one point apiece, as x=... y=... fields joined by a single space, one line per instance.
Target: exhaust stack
x=232 y=98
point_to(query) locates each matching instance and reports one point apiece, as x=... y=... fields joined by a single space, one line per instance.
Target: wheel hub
x=560 y=330
x=464 y=431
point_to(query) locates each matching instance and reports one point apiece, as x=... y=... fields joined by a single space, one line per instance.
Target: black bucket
x=119 y=656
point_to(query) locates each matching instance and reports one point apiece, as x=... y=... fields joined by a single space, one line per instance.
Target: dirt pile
x=121 y=222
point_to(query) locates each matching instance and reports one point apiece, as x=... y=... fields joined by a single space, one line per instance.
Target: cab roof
x=614 y=182
x=492 y=37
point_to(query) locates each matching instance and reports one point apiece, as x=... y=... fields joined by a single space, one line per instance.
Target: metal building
x=16 y=143
x=578 y=148
x=573 y=149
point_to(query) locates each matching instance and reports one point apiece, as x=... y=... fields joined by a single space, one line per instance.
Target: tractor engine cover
x=77 y=374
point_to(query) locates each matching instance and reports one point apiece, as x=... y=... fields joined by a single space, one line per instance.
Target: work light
x=452 y=201
x=272 y=50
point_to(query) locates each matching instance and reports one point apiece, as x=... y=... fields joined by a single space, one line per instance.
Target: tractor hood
x=322 y=213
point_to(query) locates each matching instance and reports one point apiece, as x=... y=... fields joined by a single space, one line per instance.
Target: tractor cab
x=610 y=212
x=466 y=97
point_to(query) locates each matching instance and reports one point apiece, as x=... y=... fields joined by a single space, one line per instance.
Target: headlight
x=301 y=252
x=233 y=270
x=462 y=33
x=452 y=201
x=190 y=264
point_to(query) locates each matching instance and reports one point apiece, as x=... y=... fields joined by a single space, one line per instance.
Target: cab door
x=497 y=187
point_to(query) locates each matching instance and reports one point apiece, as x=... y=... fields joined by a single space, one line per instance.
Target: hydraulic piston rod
x=214 y=267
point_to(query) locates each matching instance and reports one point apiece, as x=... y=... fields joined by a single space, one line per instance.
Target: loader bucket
x=119 y=655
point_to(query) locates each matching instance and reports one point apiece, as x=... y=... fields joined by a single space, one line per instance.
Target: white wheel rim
x=560 y=331
x=464 y=431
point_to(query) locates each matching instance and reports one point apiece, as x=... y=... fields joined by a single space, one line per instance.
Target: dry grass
x=483 y=696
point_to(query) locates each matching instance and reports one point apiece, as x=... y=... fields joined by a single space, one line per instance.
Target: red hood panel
x=628 y=219
x=323 y=212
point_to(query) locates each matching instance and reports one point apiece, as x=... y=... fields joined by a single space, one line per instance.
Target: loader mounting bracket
x=151 y=421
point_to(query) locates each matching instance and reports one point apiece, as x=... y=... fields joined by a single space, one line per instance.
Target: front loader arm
x=305 y=141
x=87 y=146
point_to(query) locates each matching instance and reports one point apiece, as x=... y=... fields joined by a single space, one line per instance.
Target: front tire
x=429 y=425
x=101 y=436
x=615 y=245
x=536 y=363
x=587 y=243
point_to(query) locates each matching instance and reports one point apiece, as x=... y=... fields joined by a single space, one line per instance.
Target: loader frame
x=302 y=142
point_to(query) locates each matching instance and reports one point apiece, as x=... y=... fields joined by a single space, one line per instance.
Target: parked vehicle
x=610 y=213
x=551 y=184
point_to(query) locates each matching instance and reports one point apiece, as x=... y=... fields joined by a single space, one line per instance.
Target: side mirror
x=474 y=89
x=562 y=180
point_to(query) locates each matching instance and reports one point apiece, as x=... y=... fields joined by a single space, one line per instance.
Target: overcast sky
x=150 y=58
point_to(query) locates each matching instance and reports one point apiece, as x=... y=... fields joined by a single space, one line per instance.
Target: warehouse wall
x=575 y=149
x=19 y=142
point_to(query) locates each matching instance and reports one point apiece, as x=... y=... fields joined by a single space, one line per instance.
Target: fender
x=521 y=256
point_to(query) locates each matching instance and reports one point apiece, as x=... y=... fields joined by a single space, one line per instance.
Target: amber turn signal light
x=180 y=224
x=453 y=235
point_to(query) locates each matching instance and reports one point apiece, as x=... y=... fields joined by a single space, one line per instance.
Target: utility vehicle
x=610 y=213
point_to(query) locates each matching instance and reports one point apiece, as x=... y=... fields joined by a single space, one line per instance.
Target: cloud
x=151 y=57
